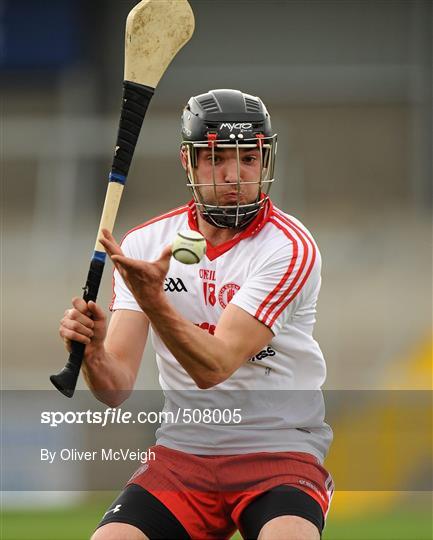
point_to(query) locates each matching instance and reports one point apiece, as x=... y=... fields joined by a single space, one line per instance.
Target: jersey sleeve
x=279 y=286
x=122 y=296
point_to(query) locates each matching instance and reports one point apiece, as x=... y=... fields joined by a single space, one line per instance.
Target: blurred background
x=348 y=84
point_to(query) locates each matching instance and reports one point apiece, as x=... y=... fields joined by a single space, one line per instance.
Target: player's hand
x=85 y=323
x=144 y=279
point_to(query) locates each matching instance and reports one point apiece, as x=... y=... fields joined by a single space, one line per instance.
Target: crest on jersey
x=226 y=293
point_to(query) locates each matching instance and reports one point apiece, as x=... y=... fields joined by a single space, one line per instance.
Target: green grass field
x=78 y=522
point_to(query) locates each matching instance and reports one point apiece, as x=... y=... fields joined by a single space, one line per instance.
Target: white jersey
x=272 y=271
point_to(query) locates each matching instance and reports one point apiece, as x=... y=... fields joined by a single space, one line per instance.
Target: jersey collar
x=212 y=252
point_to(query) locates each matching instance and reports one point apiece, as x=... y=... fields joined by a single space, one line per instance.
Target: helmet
x=228 y=119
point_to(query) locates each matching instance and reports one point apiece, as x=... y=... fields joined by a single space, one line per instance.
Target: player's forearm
x=205 y=357
x=106 y=377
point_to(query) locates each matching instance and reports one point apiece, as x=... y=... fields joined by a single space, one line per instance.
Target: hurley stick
x=155 y=31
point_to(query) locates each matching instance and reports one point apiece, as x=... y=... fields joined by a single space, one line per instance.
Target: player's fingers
x=97 y=312
x=118 y=266
x=164 y=258
x=127 y=263
x=76 y=315
x=69 y=324
x=110 y=244
x=166 y=253
x=112 y=253
x=107 y=234
x=68 y=345
x=80 y=304
x=72 y=335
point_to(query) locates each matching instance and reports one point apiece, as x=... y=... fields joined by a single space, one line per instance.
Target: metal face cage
x=234 y=215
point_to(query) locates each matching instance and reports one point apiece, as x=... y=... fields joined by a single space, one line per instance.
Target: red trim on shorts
x=171 y=213
x=212 y=252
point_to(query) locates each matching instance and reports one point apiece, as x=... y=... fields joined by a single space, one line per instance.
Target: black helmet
x=230 y=119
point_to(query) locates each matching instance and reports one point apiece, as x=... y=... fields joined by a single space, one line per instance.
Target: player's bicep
x=126 y=338
x=242 y=333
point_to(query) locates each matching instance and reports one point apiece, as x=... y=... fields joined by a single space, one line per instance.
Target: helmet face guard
x=234 y=215
x=228 y=119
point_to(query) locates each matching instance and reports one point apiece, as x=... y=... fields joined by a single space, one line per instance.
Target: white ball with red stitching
x=188 y=247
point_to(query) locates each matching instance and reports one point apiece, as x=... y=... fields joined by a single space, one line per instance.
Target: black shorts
x=136 y=506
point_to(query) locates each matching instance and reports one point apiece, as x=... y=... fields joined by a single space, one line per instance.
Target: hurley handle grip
x=66 y=380
x=136 y=98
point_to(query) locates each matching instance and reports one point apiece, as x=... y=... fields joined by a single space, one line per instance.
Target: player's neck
x=215 y=235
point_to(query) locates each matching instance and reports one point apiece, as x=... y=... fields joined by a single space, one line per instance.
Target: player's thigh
x=136 y=514
x=289 y=528
x=285 y=513
x=118 y=531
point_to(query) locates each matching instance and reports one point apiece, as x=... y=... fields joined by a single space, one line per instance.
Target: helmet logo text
x=241 y=126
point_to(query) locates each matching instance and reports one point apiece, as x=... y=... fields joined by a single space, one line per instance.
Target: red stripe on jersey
x=298 y=275
x=175 y=212
x=301 y=232
x=286 y=275
x=171 y=213
x=286 y=225
x=296 y=249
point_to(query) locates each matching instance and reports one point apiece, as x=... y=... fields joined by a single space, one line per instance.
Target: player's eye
x=249 y=159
